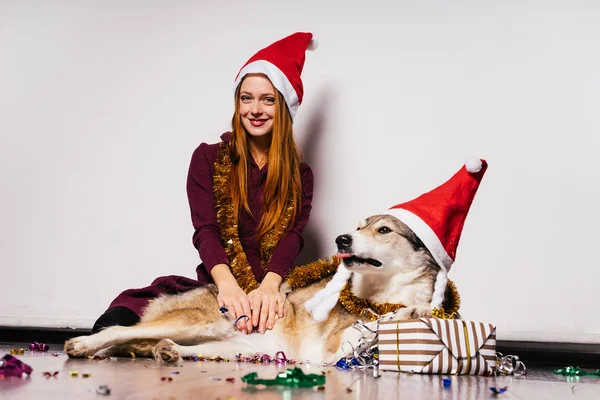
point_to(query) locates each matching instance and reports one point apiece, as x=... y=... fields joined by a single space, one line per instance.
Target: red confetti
x=48 y=374
x=232 y=380
x=166 y=378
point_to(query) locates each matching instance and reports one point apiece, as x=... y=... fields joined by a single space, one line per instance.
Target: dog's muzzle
x=344 y=245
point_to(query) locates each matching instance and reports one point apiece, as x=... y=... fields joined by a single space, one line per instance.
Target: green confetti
x=292 y=378
x=575 y=371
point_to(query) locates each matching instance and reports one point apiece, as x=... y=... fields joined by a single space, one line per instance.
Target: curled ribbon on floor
x=366 y=353
x=12 y=366
x=576 y=371
x=38 y=346
x=291 y=378
x=509 y=365
x=260 y=358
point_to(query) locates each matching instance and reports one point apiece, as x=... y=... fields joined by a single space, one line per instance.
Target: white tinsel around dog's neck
x=321 y=304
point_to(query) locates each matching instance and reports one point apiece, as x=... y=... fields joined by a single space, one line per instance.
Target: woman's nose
x=256 y=109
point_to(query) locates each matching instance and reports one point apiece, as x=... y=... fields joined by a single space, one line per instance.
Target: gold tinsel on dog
x=357 y=306
x=300 y=276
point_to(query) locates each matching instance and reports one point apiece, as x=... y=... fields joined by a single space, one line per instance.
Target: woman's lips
x=258 y=122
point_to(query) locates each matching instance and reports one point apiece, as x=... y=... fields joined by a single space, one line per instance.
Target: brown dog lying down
x=384 y=259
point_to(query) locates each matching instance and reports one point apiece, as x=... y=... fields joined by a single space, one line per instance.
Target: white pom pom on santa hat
x=313 y=44
x=473 y=165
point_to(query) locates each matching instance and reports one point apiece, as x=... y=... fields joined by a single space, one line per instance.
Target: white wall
x=102 y=104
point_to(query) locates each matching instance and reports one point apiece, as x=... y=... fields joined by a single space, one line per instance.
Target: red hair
x=283 y=175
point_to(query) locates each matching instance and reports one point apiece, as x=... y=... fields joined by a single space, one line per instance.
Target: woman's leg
x=116 y=316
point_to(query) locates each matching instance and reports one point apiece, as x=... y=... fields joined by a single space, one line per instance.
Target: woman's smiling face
x=257 y=105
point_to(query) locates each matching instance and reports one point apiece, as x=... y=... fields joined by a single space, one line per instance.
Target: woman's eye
x=245 y=98
x=270 y=100
x=384 y=229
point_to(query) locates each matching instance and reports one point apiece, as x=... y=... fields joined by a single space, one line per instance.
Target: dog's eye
x=384 y=229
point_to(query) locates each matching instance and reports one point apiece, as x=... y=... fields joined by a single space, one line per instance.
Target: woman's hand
x=266 y=302
x=232 y=297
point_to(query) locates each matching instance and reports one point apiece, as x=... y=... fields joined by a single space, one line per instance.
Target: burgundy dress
x=206 y=235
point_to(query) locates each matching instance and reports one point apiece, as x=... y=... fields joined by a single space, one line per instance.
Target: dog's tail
x=321 y=304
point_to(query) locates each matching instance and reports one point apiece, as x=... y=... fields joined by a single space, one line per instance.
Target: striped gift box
x=437 y=346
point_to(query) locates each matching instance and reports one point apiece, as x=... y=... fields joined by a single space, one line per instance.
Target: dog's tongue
x=343 y=255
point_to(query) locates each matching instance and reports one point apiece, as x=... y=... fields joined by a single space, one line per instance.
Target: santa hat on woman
x=437 y=218
x=282 y=62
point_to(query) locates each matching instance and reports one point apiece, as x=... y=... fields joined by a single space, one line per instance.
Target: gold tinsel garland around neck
x=300 y=276
x=358 y=306
x=229 y=232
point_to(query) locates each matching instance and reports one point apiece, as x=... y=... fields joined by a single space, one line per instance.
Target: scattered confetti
x=175 y=373
x=496 y=390
x=447 y=382
x=216 y=379
x=321 y=388
x=86 y=374
x=348 y=390
x=576 y=371
x=12 y=366
x=17 y=352
x=48 y=374
x=55 y=354
x=292 y=378
x=103 y=390
x=38 y=346
x=166 y=378
x=73 y=373
x=232 y=380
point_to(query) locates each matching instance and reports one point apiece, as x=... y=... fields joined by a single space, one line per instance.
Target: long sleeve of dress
x=291 y=243
x=206 y=237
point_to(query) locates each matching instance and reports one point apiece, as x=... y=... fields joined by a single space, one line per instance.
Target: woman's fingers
x=241 y=324
x=281 y=306
x=246 y=309
x=264 y=314
x=237 y=307
x=256 y=302
x=272 y=313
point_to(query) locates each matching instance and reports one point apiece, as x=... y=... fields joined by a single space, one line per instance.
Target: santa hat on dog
x=437 y=218
x=282 y=62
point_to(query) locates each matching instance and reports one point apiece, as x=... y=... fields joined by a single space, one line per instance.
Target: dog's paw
x=421 y=312
x=402 y=314
x=413 y=312
x=79 y=347
x=166 y=351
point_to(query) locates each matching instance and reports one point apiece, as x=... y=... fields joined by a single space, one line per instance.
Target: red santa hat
x=438 y=217
x=282 y=63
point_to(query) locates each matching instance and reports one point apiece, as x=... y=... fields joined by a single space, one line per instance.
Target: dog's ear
x=413 y=239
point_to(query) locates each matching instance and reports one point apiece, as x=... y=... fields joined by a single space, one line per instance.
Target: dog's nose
x=343 y=241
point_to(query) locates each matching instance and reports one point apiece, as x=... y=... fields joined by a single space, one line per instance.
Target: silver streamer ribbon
x=366 y=353
x=509 y=365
